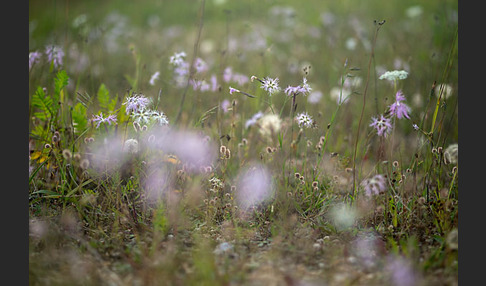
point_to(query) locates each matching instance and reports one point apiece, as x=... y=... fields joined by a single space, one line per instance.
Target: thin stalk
x=364 y=103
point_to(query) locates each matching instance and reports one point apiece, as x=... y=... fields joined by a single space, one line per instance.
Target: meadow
x=219 y=142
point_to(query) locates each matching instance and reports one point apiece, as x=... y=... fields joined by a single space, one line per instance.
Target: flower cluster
x=394 y=75
x=136 y=103
x=98 y=119
x=253 y=119
x=303 y=89
x=55 y=55
x=137 y=108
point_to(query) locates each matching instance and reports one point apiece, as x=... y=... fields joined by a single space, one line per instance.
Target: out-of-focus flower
x=253 y=119
x=269 y=125
x=55 y=55
x=394 y=75
x=343 y=216
x=254 y=186
x=34 y=57
x=451 y=154
x=401 y=271
x=225 y=105
x=177 y=59
x=131 y=146
x=414 y=11
x=382 y=125
x=398 y=108
x=227 y=74
x=160 y=118
x=154 y=77
x=200 y=65
x=314 y=97
x=375 y=185
x=304 y=120
x=98 y=119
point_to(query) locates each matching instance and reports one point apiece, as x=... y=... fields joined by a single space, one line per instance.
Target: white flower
x=131 y=146
x=269 y=124
x=177 y=59
x=394 y=75
x=304 y=120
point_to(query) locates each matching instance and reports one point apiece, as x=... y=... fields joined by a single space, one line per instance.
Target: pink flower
x=398 y=108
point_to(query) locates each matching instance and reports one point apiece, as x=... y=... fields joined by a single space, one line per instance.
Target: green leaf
x=103 y=97
x=43 y=103
x=80 y=121
x=60 y=82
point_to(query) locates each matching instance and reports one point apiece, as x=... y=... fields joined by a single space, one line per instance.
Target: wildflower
x=304 y=88
x=142 y=116
x=131 y=146
x=240 y=79
x=415 y=127
x=304 y=120
x=98 y=119
x=401 y=271
x=232 y=90
x=270 y=85
x=160 y=118
x=269 y=124
x=451 y=154
x=314 y=97
x=394 y=75
x=67 y=154
x=227 y=74
x=136 y=103
x=55 y=55
x=253 y=119
x=382 y=125
x=177 y=59
x=200 y=65
x=34 y=57
x=84 y=164
x=225 y=105
x=154 y=77
x=375 y=185
x=254 y=186
x=398 y=108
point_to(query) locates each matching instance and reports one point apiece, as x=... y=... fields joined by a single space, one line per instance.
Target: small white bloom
x=131 y=146
x=394 y=75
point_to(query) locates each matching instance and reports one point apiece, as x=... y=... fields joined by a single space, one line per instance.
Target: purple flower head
x=136 y=103
x=154 y=77
x=382 y=125
x=240 y=79
x=55 y=55
x=398 y=108
x=304 y=89
x=34 y=57
x=98 y=119
x=233 y=90
x=374 y=186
